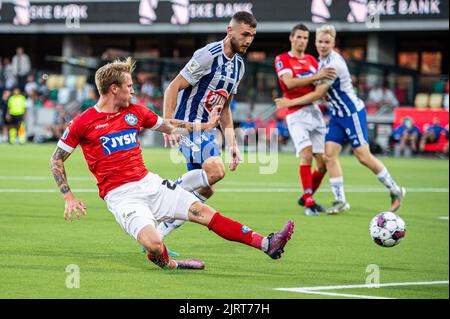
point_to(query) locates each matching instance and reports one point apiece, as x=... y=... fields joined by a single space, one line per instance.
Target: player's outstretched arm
x=172 y=126
x=293 y=82
x=309 y=98
x=226 y=123
x=170 y=104
x=72 y=204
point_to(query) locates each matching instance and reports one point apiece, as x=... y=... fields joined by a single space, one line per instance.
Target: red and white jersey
x=110 y=143
x=299 y=68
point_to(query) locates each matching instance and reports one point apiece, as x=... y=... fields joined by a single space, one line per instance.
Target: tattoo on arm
x=58 y=171
x=196 y=213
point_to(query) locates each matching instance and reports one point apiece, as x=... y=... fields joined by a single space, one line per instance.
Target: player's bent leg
x=215 y=171
x=231 y=230
x=157 y=252
x=331 y=157
x=196 y=182
x=214 y=168
x=376 y=166
x=306 y=158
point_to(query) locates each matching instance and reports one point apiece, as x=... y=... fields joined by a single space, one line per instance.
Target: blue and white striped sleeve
x=340 y=67
x=241 y=75
x=198 y=66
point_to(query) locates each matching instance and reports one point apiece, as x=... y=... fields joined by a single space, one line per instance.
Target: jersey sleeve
x=341 y=69
x=198 y=66
x=149 y=118
x=71 y=136
x=241 y=75
x=282 y=66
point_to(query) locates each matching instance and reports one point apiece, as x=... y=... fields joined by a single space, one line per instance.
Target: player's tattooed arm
x=58 y=170
x=72 y=204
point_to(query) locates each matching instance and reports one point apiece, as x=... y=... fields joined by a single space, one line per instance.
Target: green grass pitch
x=37 y=245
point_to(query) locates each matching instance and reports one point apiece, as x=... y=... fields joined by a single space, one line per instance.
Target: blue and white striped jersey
x=343 y=100
x=213 y=77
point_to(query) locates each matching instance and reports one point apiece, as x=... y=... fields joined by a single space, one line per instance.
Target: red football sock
x=306 y=178
x=234 y=231
x=317 y=178
x=162 y=260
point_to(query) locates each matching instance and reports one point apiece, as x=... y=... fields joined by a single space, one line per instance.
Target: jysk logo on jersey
x=120 y=141
x=131 y=119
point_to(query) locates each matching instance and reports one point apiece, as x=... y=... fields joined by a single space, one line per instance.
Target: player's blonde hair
x=113 y=73
x=327 y=29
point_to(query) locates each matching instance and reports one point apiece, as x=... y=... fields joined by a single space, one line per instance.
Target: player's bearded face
x=242 y=36
x=324 y=44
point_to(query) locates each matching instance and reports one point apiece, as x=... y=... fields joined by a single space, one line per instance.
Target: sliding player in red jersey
x=297 y=73
x=138 y=199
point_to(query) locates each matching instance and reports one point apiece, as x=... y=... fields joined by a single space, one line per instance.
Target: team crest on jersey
x=245 y=229
x=119 y=141
x=131 y=119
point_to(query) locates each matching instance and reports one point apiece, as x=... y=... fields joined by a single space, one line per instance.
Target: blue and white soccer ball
x=387 y=229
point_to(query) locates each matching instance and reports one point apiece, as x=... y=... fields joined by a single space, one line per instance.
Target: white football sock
x=192 y=180
x=388 y=181
x=337 y=187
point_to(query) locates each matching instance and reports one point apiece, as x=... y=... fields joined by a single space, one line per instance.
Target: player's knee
x=321 y=168
x=329 y=159
x=364 y=159
x=155 y=247
x=207 y=192
x=306 y=156
x=215 y=172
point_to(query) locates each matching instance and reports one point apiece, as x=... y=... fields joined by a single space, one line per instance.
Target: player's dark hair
x=246 y=18
x=299 y=26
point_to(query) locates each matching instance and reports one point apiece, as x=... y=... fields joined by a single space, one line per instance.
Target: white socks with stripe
x=385 y=178
x=337 y=187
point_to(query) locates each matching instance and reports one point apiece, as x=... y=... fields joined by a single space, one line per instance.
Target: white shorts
x=307 y=128
x=148 y=201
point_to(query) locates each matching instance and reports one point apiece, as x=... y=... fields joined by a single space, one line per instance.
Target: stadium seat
x=439 y=146
x=55 y=81
x=436 y=100
x=80 y=82
x=421 y=101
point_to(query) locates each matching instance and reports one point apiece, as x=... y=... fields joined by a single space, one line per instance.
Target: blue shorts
x=198 y=147
x=351 y=129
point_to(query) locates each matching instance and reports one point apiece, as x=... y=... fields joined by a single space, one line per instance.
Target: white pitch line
x=443 y=217
x=280 y=186
x=392 y=284
x=318 y=290
x=47 y=190
x=41 y=178
x=243 y=190
x=333 y=294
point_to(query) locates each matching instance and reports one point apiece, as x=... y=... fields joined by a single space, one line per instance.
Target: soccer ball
x=387 y=229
